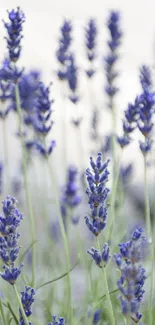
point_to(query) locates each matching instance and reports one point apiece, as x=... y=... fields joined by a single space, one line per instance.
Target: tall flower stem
x=2 y=312
x=104 y=275
x=113 y=142
x=64 y=126
x=5 y=150
x=80 y=142
x=64 y=236
x=149 y=234
x=113 y=198
x=20 y=305
x=28 y=198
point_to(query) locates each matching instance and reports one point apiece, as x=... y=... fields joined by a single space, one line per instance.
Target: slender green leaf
x=12 y=313
x=10 y=320
x=27 y=250
x=56 y=278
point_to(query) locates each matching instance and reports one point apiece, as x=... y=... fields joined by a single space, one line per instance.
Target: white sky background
x=41 y=31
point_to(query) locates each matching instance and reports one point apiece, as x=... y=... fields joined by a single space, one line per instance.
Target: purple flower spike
x=14 y=29
x=97 y=194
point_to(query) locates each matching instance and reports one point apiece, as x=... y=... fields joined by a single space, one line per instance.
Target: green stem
x=20 y=305
x=113 y=200
x=125 y=321
x=2 y=312
x=149 y=234
x=111 y=313
x=113 y=138
x=64 y=236
x=147 y=204
x=64 y=129
x=28 y=198
x=5 y=149
x=80 y=140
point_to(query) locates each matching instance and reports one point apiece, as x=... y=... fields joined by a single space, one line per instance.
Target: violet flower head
x=27 y=299
x=145 y=77
x=10 y=72
x=100 y=259
x=131 y=116
x=14 y=30
x=61 y=321
x=70 y=199
x=42 y=121
x=96 y=316
x=6 y=90
x=90 y=44
x=146 y=103
x=97 y=194
x=63 y=50
x=133 y=274
x=9 y=237
x=72 y=78
x=125 y=173
x=113 y=25
x=29 y=89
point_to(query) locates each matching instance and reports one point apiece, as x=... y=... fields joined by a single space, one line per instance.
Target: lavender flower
x=29 y=89
x=27 y=299
x=125 y=173
x=42 y=122
x=96 y=316
x=90 y=43
x=9 y=72
x=61 y=321
x=112 y=57
x=146 y=109
x=97 y=194
x=99 y=258
x=63 y=50
x=133 y=275
x=70 y=199
x=9 y=237
x=129 y=123
x=72 y=78
x=14 y=29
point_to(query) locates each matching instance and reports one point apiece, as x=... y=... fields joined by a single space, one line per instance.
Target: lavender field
x=77 y=166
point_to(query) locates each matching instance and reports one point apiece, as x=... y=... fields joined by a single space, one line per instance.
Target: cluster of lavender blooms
x=72 y=79
x=133 y=274
x=101 y=259
x=34 y=95
x=9 y=238
x=6 y=90
x=14 y=29
x=140 y=114
x=90 y=44
x=146 y=109
x=27 y=299
x=42 y=122
x=112 y=57
x=63 y=52
x=129 y=123
x=61 y=321
x=70 y=199
x=97 y=194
